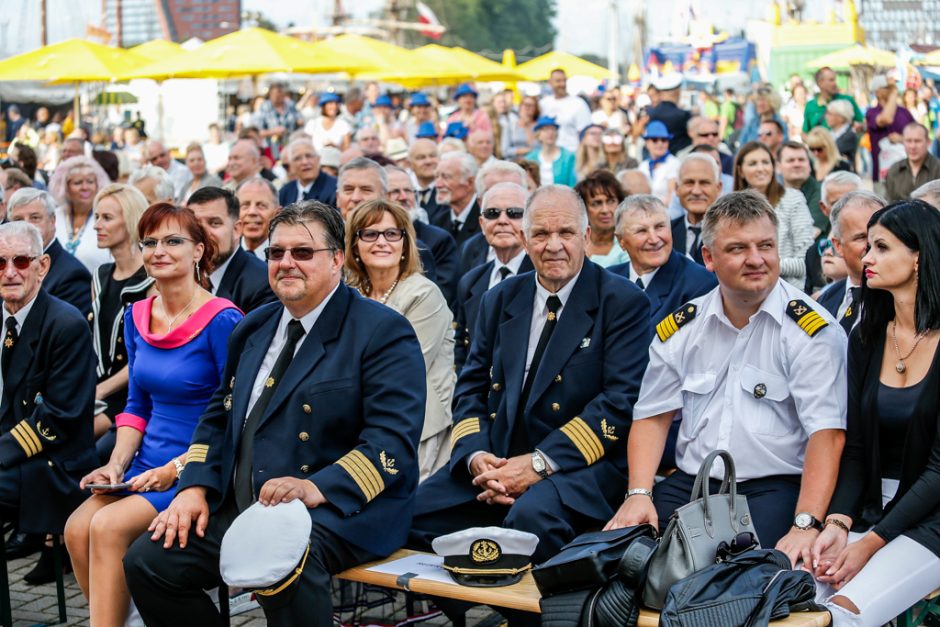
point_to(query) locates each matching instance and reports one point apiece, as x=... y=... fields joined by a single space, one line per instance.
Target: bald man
x=158 y=155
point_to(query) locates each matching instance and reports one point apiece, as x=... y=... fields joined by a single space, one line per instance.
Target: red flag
x=426 y=16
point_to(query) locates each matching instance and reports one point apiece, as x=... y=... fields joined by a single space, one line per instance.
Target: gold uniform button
x=497 y=387
x=119 y=357
x=308 y=409
x=305 y=468
x=303 y=436
x=557 y=378
x=556 y=407
x=91 y=316
x=493 y=416
x=50 y=463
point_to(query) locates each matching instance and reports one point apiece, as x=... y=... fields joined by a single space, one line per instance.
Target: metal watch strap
x=544 y=472
x=636 y=491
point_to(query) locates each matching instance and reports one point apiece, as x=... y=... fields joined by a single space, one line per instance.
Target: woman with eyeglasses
x=879 y=551
x=755 y=168
x=382 y=263
x=176 y=346
x=602 y=194
x=616 y=156
x=826 y=157
x=74 y=185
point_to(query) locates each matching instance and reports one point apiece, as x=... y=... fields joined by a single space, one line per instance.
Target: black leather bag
x=588 y=561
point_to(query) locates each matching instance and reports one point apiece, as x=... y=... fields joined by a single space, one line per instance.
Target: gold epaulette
x=671 y=323
x=806 y=317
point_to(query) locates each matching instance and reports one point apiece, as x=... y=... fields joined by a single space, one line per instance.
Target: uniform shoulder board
x=806 y=317
x=671 y=323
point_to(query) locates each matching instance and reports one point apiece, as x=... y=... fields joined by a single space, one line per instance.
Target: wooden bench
x=519 y=596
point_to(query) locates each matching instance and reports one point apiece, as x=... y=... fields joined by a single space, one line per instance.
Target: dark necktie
x=519 y=442
x=9 y=341
x=504 y=272
x=639 y=283
x=455 y=228
x=244 y=492
x=695 y=252
x=851 y=313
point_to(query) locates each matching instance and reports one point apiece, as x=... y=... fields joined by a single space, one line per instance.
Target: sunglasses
x=300 y=253
x=817 y=148
x=513 y=213
x=372 y=235
x=824 y=246
x=612 y=139
x=711 y=134
x=766 y=134
x=20 y=262
x=744 y=541
x=172 y=241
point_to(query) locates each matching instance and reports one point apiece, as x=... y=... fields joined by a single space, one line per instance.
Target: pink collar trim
x=184 y=333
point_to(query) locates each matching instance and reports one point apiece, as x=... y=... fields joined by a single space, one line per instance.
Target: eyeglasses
x=172 y=241
x=711 y=134
x=817 y=149
x=20 y=262
x=513 y=213
x=824 y=246
x=372 y=235
x=300 y=253
x=612 y=139
x=765 y=134
x=744 y=541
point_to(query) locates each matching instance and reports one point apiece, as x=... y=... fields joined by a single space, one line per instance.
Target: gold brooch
x=269 y=383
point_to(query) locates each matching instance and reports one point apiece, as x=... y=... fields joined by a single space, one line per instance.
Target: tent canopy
x=70 y=61
x=854 y=55
x=540 y=68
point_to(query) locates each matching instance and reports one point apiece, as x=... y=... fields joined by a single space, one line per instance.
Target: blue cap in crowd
x=427 y=130
x=328 y=97
x=657 y=130
x=383 y=101
x=456 y=129
x=418 y=99
x=586 y=129
x=545 y=121
x=464 y=90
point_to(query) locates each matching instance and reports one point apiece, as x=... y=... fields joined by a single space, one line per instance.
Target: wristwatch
x=805 y=520
x=539 y=465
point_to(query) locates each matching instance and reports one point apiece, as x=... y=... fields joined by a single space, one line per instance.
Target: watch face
x=538 y=464
x=803 y=521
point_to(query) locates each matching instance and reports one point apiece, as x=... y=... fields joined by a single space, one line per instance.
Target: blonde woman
x=74 y=186
x=826 y=157
x=590 y=155
x=382 y=263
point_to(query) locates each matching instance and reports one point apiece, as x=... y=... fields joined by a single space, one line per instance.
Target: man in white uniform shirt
x=570 y=112
x=756 y=371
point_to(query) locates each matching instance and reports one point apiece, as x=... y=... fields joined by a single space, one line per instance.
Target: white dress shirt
x=218 y=274
x=20 y=317
x=278 y=342
x=647 y=278
x=540 y=314
x=846 y=300
x=513 y=265
x=257 y=252
x=460 y=219
x=757 y=392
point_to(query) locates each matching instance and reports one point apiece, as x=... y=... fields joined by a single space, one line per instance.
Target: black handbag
x=588 y=561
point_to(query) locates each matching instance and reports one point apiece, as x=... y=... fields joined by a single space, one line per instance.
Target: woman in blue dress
x=176 y=347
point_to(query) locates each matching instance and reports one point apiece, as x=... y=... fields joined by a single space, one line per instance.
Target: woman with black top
x=889 y=480
x=115 y=285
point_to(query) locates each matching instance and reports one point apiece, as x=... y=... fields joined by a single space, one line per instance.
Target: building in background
x=894 y=24
x=132 y=22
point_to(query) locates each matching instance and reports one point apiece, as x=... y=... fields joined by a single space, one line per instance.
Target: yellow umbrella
x=854 y=55
x=931 y=58
x=158 y=49
x=472 y=65
x=509 y=62
x=540 y=68
x=246 y=52
x=365 y=57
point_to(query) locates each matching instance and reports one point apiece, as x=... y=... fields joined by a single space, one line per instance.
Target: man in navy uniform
x=335 y=426
x=546 y=393
x=641 y=224
x=67 y=278
x=238 y=276
x=310 y=182
x=47 y=390
x=501 y=221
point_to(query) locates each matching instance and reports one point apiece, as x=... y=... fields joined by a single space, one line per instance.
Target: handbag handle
x=728 y=485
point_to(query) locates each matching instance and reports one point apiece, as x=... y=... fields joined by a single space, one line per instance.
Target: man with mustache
x=698 y=186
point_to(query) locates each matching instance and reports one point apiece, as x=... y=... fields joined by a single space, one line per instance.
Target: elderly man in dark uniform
x=335 y=426
x=544 y=402
x=238 y=275
x=47 y=390
x=67 y=278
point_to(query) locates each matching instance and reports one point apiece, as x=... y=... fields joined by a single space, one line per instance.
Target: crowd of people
x=599 y=292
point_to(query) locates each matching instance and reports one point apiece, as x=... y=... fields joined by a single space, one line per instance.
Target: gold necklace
x=899 y=366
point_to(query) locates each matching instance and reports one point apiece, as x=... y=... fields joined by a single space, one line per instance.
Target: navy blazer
x=443 y=249
x=580 y=405
x=324 y=190
x=473 y=253
x=679 y=239
x=470 y=292
x=675 y=283
x=432 y=207
x=46 y=413
x=471 y=225
x=347 y=416
x=245 y=281
x=68 y=278
x=832 y=296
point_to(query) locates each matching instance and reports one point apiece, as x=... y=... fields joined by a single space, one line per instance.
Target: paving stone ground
x=36 y=605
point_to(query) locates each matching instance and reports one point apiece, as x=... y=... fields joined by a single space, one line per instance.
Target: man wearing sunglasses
x=501 y=221
x=47 y=391
x=319 y=403
x=158 y=155
x=705 y=132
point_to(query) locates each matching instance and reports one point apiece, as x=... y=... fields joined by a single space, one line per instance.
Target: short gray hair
x=25 y=231
x=646 y=203
x=297 y=142
x=503 y=167
x=692 y=157
x=364 y=163
x=842 y=108
x=501 y=187
x=858 y=197
x=257 y=179
x=163 y=190
x=928 y=192
x=27 y=195
x=839 y=179
x=468 y=165
x=562 y=190
x=738 y=207
x=457 y=144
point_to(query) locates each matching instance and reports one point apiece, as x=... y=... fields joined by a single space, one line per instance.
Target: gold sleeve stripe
x=197 y=453
x=27 y=440
x=585 y=440
x=666 y=328
x=363 y=472
x=465 y=427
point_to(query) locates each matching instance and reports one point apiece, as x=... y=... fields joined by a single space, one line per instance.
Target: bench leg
x=58 y=564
